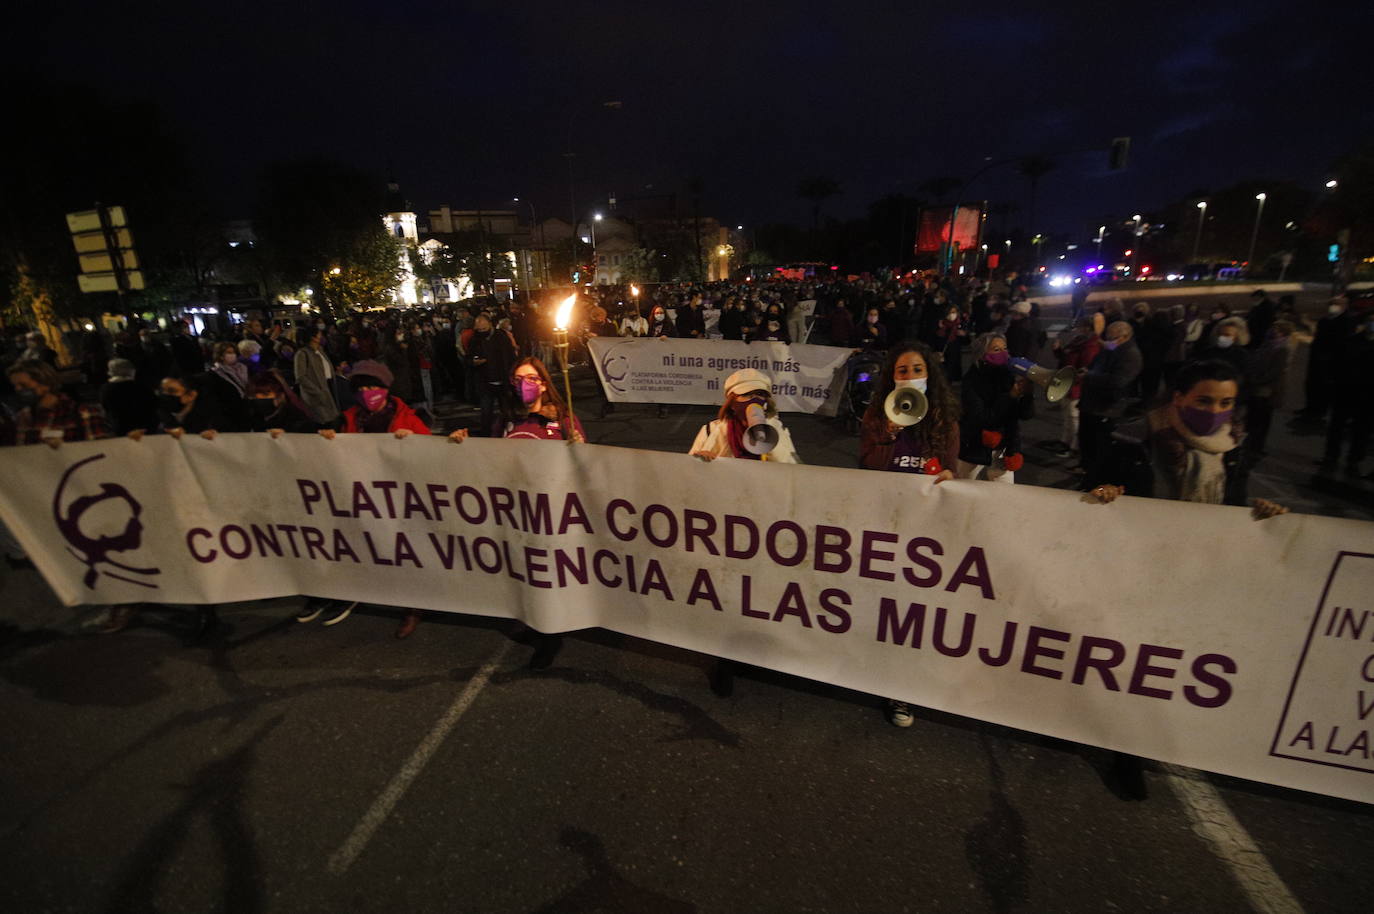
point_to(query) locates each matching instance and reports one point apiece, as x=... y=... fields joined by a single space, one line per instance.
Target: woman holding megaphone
x=908 y=434
x=747 y=425
x=911 y=426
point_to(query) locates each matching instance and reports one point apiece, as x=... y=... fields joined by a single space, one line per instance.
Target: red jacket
x=404 y=418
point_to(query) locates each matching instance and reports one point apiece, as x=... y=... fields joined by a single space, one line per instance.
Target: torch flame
x=564 y=315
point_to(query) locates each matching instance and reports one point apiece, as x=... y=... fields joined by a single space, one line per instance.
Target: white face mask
x=1225 y=342
x=917 y=383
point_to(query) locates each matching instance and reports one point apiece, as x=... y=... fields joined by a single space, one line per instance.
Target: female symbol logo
x=95 y=550
x=615 y=369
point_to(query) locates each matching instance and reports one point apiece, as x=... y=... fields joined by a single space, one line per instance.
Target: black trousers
x=1353 y=419
x=1094 y=444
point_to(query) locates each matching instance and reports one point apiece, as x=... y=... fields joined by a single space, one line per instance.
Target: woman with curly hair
x=932 y=445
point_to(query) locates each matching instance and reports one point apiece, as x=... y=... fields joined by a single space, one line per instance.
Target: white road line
x=1214 y=822
x=386 y=801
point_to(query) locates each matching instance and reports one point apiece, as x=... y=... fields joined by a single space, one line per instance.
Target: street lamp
x=1331 y=185
x=1254 y=234
x=1101 y=233
x=1201 y=215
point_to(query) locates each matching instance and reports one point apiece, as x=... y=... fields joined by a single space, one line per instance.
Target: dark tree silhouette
x=817 y=189
x=1033 y=168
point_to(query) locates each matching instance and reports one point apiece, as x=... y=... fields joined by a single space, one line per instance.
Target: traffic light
x=1121 y=149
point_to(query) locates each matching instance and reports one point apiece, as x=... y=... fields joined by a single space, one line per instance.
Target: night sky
x=471 y=104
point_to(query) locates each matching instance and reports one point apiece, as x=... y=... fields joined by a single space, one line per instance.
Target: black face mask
x=170 y=403
x=262 y=408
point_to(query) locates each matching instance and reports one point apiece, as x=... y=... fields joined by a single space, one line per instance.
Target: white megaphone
x=906 y=405
x=1056 y=383
x=759 y=437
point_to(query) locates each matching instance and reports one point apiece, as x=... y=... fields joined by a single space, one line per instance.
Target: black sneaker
x=338 y=611
x=546 y=648
x=722 y=678
x=312 y=608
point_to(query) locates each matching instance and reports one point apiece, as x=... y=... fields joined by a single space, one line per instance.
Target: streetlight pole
x=1135 y=248
x=543 y=259
x=1254 y=234
x=1101 y=233
x=572 y=206
x=1201 y=217
x=596 y=264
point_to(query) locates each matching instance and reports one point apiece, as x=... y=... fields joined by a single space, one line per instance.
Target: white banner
x=1180 y=632
x=806 y=379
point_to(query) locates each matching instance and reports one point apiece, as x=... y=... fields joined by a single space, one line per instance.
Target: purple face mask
x=1204 y=422
x=997 y=358
x=372 y=398
x=529 y=390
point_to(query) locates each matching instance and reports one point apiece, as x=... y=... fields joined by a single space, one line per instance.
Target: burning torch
x=560 y=344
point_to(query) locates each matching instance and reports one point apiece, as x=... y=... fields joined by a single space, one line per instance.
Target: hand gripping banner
x=1186 y=633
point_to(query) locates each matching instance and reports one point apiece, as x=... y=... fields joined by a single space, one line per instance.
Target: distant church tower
x=400 y=222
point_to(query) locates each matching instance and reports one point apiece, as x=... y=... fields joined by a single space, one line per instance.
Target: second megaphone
x=1056 y=383
x=759 y=436
x=906 y=405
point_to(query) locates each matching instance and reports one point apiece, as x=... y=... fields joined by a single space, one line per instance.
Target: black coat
x=128 y=406
x=205 y=414
x=496 y=348
x=691 y=322
x=988 y=405
x=187 y=357
x=289 y=418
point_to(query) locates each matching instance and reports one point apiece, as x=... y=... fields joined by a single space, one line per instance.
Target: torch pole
x=560 y=345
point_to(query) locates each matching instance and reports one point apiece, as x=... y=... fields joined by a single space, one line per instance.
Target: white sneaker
x=339 y=612
x=312 y=608
x=899 y=714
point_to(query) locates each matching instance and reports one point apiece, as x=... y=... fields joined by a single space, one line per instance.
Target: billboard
x=933 y=232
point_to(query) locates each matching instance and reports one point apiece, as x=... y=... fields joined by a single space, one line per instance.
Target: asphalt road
x=296 y=768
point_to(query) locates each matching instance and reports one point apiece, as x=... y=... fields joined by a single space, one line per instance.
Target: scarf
x=1204 y=472
x=236 y=374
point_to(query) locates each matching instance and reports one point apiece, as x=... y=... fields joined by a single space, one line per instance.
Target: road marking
x=386 y=801
x=1214 y=822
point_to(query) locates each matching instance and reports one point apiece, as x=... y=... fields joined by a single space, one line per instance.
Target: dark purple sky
x=474 y=103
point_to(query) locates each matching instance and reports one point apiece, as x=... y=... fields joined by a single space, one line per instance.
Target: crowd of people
x=1207 y=383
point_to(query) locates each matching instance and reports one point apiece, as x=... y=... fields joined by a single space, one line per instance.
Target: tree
x=817 y=189
x=315 y=215
x=892 y=222
x=368 y=272
x=640 y=265
x=940 y=188
x=1033 y=168
x=48 y=169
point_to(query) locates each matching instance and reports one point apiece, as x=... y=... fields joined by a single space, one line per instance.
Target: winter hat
x=370 y=370
x=747 y=379
x=1022 y=307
